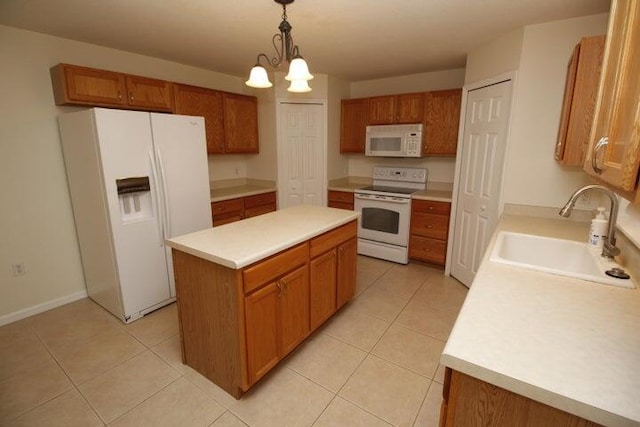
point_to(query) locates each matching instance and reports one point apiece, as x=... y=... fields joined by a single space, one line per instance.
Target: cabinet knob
x=131 y=98
x=429 y=226
x=119 y=96
x=430 y=208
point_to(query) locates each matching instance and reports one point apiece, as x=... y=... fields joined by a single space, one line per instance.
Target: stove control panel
x=400 y=174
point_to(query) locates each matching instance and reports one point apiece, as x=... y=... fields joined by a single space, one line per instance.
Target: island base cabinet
x=261 y=322
x=347 y=268
x=323 y=287
x=468 y=401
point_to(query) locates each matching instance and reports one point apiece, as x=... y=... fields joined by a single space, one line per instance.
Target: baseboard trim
x=30 y=311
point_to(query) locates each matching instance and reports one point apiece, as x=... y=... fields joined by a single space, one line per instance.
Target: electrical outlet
x=584 y=199
x=19 y=269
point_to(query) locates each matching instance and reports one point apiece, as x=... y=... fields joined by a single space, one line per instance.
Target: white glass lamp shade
x=298 y=70
x=258 y=78
x=299 y=86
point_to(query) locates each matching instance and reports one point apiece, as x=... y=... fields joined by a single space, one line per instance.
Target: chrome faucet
x=609 y=249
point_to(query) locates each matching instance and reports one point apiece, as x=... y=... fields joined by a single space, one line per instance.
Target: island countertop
x=568 y=343
x=241 y=243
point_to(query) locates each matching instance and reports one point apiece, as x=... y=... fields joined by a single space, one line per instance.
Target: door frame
x=511 y=75
x=280 y=180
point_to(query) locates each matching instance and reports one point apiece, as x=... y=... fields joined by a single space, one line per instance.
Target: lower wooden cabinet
x=232 y=210
x=236 y=325
x=333 y=271
x=340 y=200
x=468 y=401
x=429 y=231
x=277 y=320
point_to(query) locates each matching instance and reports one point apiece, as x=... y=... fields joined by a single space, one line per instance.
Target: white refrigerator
x=135 y=179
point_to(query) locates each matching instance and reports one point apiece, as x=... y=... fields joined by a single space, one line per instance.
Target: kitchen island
x=537 y=349
x=249 y=292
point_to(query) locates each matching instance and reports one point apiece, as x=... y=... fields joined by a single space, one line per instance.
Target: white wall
x=337 y=164
x=494 y=58
x=441 y=169
x=36 y=221
x=532 y=176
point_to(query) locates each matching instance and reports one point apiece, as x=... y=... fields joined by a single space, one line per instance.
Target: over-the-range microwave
x=394 y=141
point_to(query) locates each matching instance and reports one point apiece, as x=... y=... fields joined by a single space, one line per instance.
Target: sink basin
x=556 y=256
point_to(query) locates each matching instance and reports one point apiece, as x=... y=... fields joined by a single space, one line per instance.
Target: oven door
x=383 y=218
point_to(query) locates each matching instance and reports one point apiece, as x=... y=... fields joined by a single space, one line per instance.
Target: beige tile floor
x=375 y=363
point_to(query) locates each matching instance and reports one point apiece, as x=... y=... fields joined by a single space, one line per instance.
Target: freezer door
x=126 y=149
x=181 y=153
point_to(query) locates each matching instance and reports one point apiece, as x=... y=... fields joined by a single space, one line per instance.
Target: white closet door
x=302 y=160
x=480 y=180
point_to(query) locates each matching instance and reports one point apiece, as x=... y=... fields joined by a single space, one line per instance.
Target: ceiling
x=352 y=39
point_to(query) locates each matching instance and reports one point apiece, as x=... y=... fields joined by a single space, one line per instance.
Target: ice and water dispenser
x=134 y=195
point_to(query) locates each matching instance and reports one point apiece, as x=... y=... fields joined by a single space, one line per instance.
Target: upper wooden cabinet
x=240 y=123
x=198 y=101
x=231 y=120
x=614 y=153
x=580 y=92
x=396 y=109
x=75 y=85
x=441 y=121
x=354 y=120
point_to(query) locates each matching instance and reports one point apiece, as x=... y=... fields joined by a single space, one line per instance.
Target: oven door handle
x=397 y=200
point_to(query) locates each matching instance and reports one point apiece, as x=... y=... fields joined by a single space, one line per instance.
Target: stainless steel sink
x=556 y=256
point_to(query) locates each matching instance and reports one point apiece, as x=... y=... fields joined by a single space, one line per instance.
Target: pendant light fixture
x=299 y=75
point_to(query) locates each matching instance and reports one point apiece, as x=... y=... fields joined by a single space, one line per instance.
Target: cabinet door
x=322 y=287
x=347 y=269
x=580 y=93
x=410 y=108
x=294 y=309
x=262 y=320
x=82 y=85
x=197 y=101
x=241 y=123
x=617 y=115
x=442 y=117
x=382 y=110
x=227 y=211
x=149 y=94
x=354 y=120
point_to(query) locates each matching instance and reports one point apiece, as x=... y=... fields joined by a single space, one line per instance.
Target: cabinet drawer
x=259 y=210
x=259 y=200
x=427 y=249
x=428 y=206
x=429 y=225
x=341 y=197
x=333 y=238
x=269 y=269
x=340 y=205
x=227 y=206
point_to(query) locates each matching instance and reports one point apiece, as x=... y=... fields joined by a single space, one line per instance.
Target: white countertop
x=241 y=243
x=568 y=343
x=221 y=194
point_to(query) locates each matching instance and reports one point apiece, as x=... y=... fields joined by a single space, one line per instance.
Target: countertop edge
x=260 y=255
x=241 y=193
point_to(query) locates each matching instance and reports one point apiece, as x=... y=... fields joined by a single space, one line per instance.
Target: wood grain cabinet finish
x=236 y=325
x=468 y=401
x=429 y=231
x=617 y=115
x=75 y=85
x=441 y=122
x=578 y=105
x=259 y=204
x=340 y=200
x=240 y=123
x=353 y=125
x=396 y=109
x=333 y=271
x=239 y=208
x=207 y=103
x=227 y=211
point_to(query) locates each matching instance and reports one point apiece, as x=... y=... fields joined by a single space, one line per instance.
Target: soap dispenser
x=598 y=230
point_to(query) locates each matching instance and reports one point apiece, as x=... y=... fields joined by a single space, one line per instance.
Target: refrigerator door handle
x=158 y=202
x=167 y=213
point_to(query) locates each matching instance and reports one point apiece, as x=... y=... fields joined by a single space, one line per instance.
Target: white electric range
x=385 y=212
